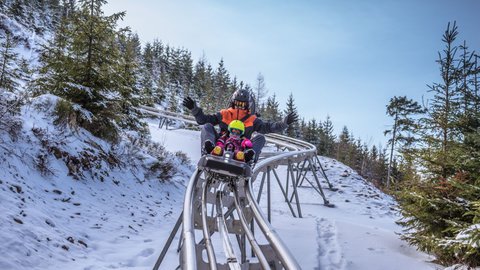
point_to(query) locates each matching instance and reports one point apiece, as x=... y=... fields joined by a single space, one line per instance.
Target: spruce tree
x=83 y=65
x=402 y=110
x=8 y=60
x=146 y=83
x=272 y=109
x=326 y=143
x=292 y=130
x=221 y=84
x=443 y=112
x=441 y=210
x=200 y=81
x=187 y=72
x=343 y=146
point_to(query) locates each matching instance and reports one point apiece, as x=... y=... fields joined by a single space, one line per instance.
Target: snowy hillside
x=359 y=233
x=111 y=219
x=67 y=197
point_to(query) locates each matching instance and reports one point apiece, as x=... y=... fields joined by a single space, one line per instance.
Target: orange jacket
x=224 y=117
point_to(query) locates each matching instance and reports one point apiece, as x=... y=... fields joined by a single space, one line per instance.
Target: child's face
x=235 y=133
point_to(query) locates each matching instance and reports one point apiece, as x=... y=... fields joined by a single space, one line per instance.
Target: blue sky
x=344 y=58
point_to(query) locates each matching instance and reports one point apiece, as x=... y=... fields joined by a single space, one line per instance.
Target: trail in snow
x=329 y=251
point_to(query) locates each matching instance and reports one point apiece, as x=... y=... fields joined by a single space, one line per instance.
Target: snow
x=106 y=225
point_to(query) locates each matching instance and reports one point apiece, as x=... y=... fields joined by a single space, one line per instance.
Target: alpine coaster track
x=220 y=199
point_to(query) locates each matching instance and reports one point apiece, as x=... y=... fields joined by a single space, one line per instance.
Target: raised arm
x=269 y=127
x=197 y=112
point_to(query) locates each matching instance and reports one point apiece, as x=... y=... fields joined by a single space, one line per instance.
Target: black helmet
x=243 y=99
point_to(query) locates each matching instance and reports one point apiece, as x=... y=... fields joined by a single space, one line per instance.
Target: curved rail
x=232 y=259
x=212 y=260
x=188 y=257
x=300 y=152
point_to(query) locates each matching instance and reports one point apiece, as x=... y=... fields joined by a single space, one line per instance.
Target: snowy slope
x=108 y=216
x=89 y=224
x=359 y=233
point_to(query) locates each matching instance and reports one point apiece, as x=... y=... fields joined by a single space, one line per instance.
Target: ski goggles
x=236 y=132
x=240 y=104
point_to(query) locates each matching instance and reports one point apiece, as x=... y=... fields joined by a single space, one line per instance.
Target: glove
x=189 y=103
x=290 y=118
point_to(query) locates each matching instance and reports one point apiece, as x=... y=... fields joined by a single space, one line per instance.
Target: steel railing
x=300 y=158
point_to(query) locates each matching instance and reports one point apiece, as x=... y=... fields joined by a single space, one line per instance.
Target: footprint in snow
x=330 y=255
x=146 y=252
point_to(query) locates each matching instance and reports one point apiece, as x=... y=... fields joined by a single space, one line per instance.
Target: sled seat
x=224 y=165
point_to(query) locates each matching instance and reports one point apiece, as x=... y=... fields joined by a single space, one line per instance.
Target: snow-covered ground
x=56 y=222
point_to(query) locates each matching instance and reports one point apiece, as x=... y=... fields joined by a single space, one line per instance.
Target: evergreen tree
x=292 y=130
x=128 y=86
x=147 y=87
x=17 y=9
x=187 y=72
x=326 y=145
x=464 y=81
x=272 y=109
x=311 y=132
x=402 y=110
x=221 y=83
x=200 y=81
x=441 y=210
x=204 y=86
x=8 y=61
x=443 y=112
x=83 y=64
x=343 y=146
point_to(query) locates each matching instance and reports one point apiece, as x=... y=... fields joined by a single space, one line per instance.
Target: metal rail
x=232 y=259
x=300 y=159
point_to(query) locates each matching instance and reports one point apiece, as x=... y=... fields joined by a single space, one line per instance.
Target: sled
x=225 y=165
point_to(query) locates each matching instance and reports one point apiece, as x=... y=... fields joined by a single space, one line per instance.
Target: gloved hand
x=290 y=118
x=189 y=103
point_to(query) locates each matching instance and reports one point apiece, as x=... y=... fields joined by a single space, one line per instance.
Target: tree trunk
x=389 y=173
x=90 y=47
x=5 y=60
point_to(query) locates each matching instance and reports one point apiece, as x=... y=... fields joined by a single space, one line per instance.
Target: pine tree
x=272 y=109
x=8 y=61
x=83 y=65
x=221 y=83
x=402 y=110
x=326 y=145
x=466 y=84
x=147 y=87
x=311 y=132
x=67 y=8
x=187 y=72
x=292 y=130
x=441 y=210
x=17 y=9
x=200 y=81
x=443 y=112
x=343 y=146
x=128 y=86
